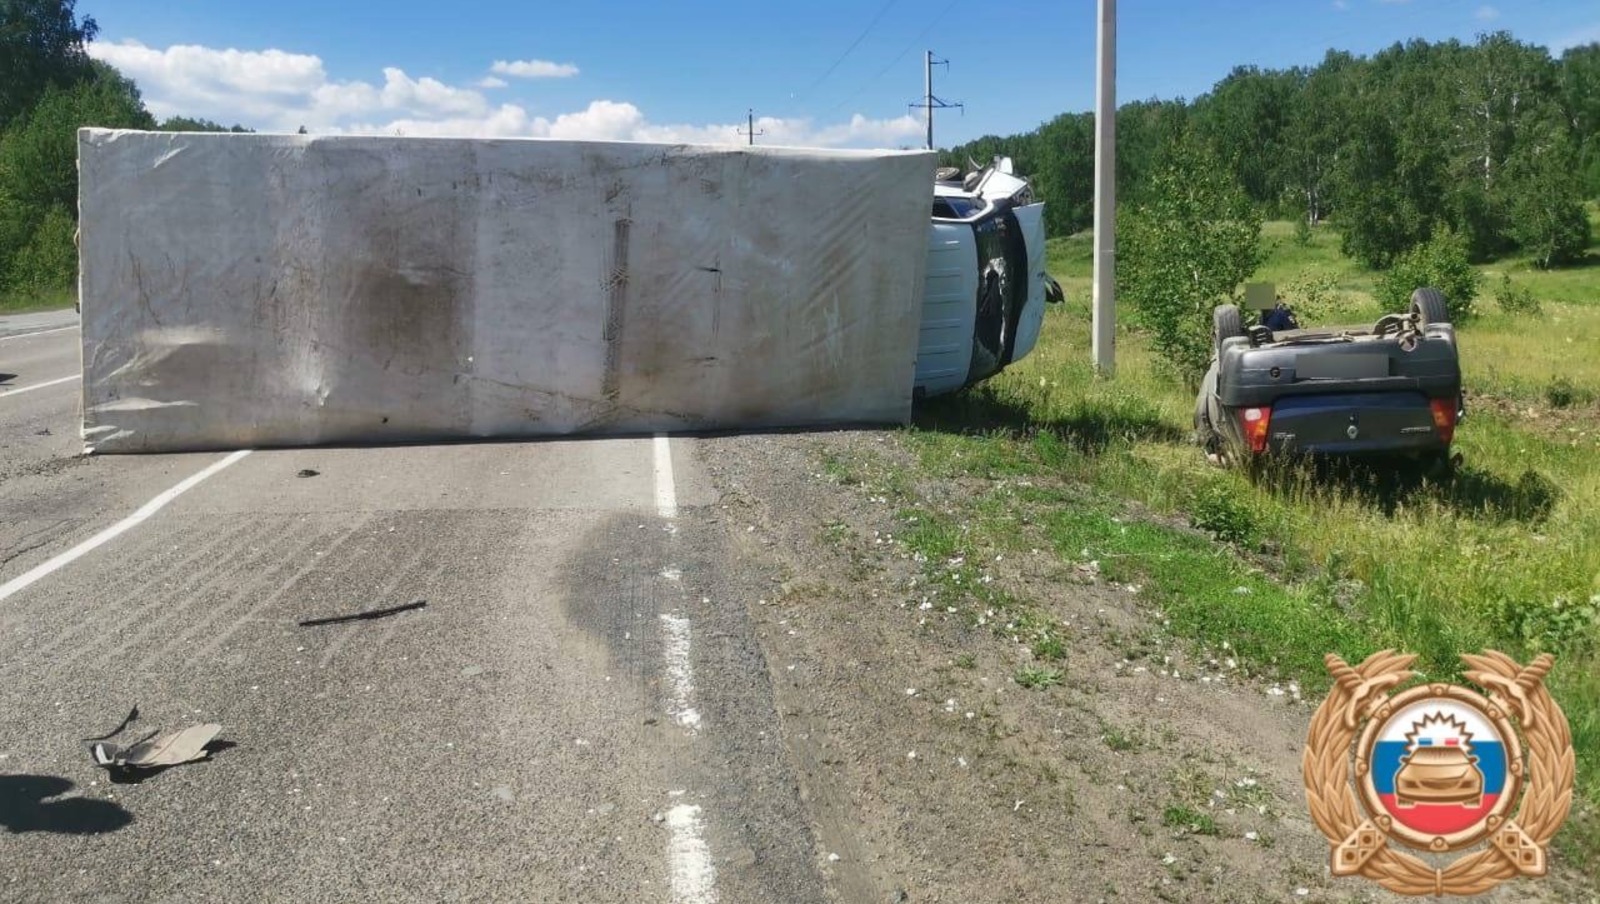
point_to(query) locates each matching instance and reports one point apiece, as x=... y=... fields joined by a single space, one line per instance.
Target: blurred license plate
x=1340 y=367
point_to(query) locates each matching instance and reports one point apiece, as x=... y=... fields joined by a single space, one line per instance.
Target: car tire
x=1225 y=324
x=1429 y=306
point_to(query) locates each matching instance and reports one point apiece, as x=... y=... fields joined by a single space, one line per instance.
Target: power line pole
x=749 y=131
x=1105 y=193
x=929 y=102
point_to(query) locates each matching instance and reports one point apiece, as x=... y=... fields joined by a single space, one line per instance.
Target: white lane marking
x=21 y=582
x=666 y=493
x=680 y=671
x=45 y=385
x=694 y=876
x=59 y=329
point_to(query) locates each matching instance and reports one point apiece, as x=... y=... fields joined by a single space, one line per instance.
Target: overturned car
x=986 y=285
x=1389 y=389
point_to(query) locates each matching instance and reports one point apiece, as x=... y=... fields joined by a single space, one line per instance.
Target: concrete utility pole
x=750 y=127
x=929 y=102
x=1105 y=193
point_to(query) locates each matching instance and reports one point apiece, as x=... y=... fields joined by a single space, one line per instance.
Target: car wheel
x=1429 y=306
x=1225 y=324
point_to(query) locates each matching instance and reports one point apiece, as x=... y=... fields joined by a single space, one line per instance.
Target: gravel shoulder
x=931 y=774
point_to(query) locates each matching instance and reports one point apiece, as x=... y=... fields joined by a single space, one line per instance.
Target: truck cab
x=986 y=290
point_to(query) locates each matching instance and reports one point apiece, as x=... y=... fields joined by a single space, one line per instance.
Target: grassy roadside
x=1281 y=571
x=30 y=302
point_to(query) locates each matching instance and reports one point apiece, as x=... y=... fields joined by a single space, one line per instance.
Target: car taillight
x=1444 y=418
x=1256 y=422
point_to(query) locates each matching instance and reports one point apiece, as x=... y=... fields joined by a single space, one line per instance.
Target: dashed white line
x=694 y=876
x=59 y=329
x=44 y=385
x=666 y=492
x=680 y=671
x=28 y=578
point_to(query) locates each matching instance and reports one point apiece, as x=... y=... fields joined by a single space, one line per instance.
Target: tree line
x=1496 y=143
x=49 y=88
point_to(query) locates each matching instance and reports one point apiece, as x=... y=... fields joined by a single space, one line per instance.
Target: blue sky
x=823 y=72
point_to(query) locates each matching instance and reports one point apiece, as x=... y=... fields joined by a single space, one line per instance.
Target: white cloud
x=1486 y=14
x=274 y=89
x=277 y=91
x=201 y=69
x=534 y=69
x=607 y=120
x=1341 y=5
x=401 y=92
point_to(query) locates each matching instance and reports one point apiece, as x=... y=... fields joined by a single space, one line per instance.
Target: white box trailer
x=260 y=290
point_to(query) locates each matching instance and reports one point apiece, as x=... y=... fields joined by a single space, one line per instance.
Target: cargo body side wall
x=247 y=290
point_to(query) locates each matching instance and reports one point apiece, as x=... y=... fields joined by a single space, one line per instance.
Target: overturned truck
x=280 y=290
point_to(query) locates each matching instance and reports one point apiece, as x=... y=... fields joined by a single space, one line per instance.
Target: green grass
x=1037 y=677
x=1281 y=570
x=1189 y=820
x=29 y=302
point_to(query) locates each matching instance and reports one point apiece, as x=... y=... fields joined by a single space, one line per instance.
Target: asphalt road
x=580 y=712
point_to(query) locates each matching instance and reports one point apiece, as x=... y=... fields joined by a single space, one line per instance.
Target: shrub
x=1217 y=509
x=50 y=258
x=1302 y=232
x=1562 y=393
x=1184 y=250
x=1515 y=299
x=1441 y=262
x=1314 y=296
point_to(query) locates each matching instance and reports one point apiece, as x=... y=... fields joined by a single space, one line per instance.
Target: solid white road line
x=21 y=582
x=46 y=385
x=694 y=876
x=666 y=492
x=59 y=329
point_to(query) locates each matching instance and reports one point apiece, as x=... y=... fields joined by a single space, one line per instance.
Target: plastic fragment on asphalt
x=159 y=749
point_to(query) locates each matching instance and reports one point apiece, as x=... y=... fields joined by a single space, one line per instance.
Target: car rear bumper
x=1354 y=424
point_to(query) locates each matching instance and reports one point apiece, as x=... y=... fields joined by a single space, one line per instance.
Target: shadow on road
x=25 y=806
x=126 y=775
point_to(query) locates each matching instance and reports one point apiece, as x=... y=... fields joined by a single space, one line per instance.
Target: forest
x=1497 y=142
x=49 y=87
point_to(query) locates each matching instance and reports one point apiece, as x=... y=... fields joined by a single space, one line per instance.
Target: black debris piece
x=369 y=615
x=129 y=719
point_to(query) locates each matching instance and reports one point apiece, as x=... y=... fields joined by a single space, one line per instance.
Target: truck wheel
x=1428 y=304
x=1225 y=324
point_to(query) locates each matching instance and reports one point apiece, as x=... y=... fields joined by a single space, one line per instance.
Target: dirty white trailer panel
x=251 y=290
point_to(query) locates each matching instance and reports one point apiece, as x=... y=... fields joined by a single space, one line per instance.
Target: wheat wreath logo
x=1439 y=768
